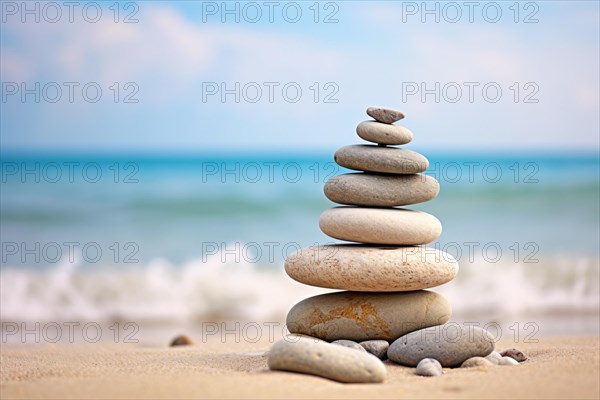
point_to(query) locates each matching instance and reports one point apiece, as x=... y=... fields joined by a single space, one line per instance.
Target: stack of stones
x=383 y=274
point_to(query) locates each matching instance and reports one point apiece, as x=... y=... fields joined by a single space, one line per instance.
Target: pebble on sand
x=429 y=367
x=316 y=357
x=451 y=350
x=475 y=362
x=350 y=344
x=514 y=353
x=376 y=347
x=181 y=340
x=494 y=357
x=508 y=361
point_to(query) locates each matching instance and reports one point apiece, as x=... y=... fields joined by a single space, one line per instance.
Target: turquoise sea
x=146 y=237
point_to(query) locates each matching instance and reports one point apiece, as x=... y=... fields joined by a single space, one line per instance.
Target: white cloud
x=161 y=41
x=164 y=50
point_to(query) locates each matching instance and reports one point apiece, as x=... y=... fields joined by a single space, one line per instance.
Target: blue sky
x=175 y=60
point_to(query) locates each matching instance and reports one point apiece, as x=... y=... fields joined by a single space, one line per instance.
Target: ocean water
x=182 y=239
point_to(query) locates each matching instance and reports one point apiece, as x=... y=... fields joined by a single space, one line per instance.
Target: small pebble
x=429 y=367
x=494 y=357
x=349 y=343
x=474 y=362
x=385 y=115
x=376 y=347
x=508 y=361
x=514 y=353
x=181 y=340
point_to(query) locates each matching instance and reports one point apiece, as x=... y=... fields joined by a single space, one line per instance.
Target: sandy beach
x=412 y=179
x=558 y=367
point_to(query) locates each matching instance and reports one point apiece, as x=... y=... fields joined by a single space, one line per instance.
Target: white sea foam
x=552 y=285
x=158 y=291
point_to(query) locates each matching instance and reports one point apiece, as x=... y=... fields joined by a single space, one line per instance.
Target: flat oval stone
x=389 y=160
x=451 y=345
x=385 y=115
x=366 y=316
x=315 y=357
x=376 y=347
x=371 y=268
x=350 y=344
x=380 y=225
x=376 y=132
x=376 y=190
x=429 y=367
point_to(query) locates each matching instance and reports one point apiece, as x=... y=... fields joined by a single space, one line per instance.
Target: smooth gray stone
x=377 y=190
x=451 y=345
x=315 y=357
x=349 y=343
x=476 y=362
x=376 y=132
x=362 y=316
x=369 y=268
x=385 y=115
x=429 y=367
x=376 y=347
x=514 y=353
x=508 y=361
x=494 y=357
x=389 y=160
x=387 y=226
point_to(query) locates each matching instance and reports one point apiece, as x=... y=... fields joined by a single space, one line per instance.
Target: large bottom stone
x=365 y=316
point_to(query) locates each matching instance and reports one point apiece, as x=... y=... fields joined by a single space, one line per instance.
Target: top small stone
x=384 y=115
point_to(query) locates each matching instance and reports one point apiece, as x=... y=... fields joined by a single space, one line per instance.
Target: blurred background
x=160 y=159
